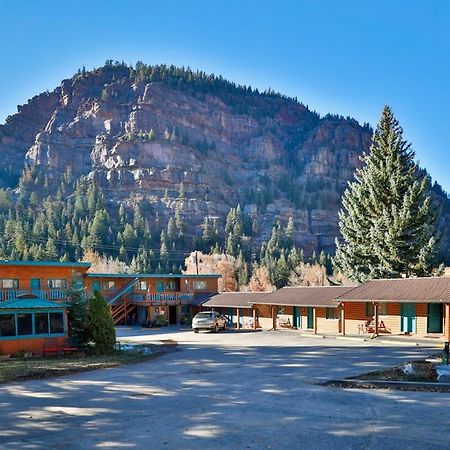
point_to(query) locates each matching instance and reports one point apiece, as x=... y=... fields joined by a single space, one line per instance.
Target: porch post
x=343 y=319
x=238 y=324
x=315 y=320
x=274 y=320
x=447 y=322
x=375 y=309
x=254 y=318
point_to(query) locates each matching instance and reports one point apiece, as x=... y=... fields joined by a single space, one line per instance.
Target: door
x=160 y=286
x=95 y=286
x=296 y=317
x=173 y=319
x=229 y=316
x=435 y=316
x=408 y=318
x=35 y=284
x=310 y=318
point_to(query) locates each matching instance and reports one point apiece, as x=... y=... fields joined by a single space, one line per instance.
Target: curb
x=394 y=385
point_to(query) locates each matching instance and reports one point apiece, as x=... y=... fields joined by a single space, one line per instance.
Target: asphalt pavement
x=238 y=390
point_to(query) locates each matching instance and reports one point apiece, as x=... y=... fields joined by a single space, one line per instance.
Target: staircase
x=120 y=311
x=123 y=290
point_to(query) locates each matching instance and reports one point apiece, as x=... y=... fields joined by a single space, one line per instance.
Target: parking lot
x=242 y=390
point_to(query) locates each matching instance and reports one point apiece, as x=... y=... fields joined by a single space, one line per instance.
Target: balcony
x=44 y=294
x=159 y=299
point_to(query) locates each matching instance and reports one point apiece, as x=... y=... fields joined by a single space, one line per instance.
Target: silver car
x=209 y=320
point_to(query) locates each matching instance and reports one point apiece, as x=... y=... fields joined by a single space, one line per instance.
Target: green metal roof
x=30 y=303
x=44 y=263
x=151 y=275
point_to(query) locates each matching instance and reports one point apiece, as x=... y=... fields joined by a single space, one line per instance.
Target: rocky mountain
x=142 y=133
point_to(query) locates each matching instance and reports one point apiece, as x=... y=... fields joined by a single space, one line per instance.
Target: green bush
x=100 y=325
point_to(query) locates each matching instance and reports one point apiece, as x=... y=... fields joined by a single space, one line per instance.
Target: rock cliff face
x=139 y=138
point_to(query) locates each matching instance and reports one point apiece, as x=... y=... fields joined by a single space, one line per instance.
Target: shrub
x=76 y=314
x=100 y=325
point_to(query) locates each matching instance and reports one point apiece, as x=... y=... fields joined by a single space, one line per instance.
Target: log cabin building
x=30 y=290
x=404 y=306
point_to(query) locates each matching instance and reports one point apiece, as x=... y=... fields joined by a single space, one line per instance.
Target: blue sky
x=346 y=57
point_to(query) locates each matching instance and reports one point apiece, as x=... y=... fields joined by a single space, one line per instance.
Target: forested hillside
x=148 y=163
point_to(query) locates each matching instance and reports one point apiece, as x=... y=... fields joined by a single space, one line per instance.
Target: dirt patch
x=423 y=372
x=17 y=369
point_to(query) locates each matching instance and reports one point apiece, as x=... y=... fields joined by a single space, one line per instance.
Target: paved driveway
x=230 y=390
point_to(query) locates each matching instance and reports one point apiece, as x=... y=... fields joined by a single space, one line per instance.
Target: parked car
x=209 y=320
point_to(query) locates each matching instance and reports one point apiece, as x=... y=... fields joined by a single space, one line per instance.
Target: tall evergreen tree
x=386 y=223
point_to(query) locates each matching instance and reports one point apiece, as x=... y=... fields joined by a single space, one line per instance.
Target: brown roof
x=416 y=290
x=322 y=296
x=235 y=299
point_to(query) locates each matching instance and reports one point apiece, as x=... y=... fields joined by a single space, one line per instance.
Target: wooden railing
x=44 y=294
x=163 y=298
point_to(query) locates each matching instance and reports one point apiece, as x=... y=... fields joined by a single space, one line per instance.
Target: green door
x=310 y=318
x=408 y=318
x=229 y=316
x=160 y=286
x=95 y=285
x=434 y=323
x=35 y=283
x=296 y=317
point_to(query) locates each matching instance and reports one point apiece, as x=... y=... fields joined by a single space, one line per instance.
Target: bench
x=52 y=347
x=71 y=346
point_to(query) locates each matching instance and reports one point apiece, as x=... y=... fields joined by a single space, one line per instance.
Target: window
x=24 y=324
x=382 y=309
x=57 y=284
x=171 y=286
x=7 y=325
x=41 y=323
x=108 y=285
x=56 y=323
x=332 y=313
x=9 y=283
x=199 y=285
x=44 y=323
x=142 y=285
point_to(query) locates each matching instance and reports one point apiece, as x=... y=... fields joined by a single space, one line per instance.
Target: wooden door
x=435 y=316
x=310 y=318
x=296 y=317
x=408 y=318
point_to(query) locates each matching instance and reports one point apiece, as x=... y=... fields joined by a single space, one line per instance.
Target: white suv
x=209 y=320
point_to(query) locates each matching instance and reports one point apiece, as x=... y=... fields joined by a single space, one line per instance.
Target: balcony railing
x=43 y=294
x=165 y=298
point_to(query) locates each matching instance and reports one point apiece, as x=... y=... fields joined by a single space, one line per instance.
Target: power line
x=34 y=239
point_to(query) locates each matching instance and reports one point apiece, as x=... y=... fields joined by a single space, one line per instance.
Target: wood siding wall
x=35 y=345
x=186 y=284
x=25 y=273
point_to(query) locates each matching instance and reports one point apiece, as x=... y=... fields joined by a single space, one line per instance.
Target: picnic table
x=369 y=327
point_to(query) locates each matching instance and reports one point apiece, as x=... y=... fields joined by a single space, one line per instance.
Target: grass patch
x=15 y=369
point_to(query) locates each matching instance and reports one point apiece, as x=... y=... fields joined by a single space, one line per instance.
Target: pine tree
x=386 y=223
x=289 y=233
x=100 y=325
x=181 y=193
